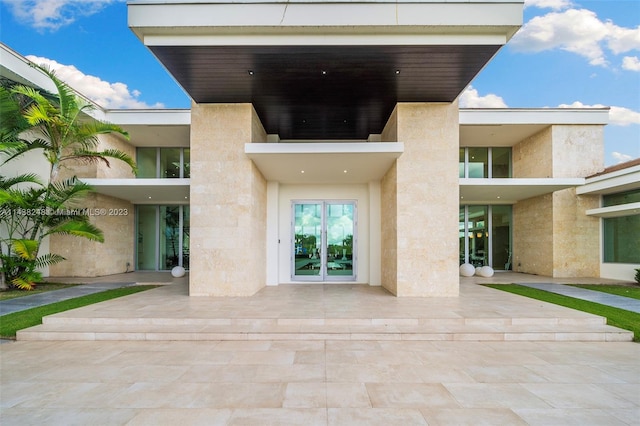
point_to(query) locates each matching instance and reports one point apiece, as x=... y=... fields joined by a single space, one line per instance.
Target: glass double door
x=323 y=243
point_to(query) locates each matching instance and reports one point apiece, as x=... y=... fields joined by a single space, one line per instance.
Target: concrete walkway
x=620 y=302
x=94 y=285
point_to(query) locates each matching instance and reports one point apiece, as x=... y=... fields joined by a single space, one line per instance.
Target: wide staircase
x=324 y=312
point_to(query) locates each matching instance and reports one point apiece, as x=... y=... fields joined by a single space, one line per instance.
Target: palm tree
x=62 y=127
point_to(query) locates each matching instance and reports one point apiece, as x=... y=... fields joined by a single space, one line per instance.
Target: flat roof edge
x=497 y=116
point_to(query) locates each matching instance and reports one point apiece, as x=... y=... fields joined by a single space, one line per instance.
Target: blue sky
x=568 y=53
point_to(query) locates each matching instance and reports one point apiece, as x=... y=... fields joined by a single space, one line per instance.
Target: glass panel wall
x=169 y=236
x=171 y=163
x=485 y=236
x=186 y=232
x=621 y=240
x=478 y=236
x=500 y=162
x=308 y=239
x=621 y=198
x=163 y=237
x=147 y=237
x=501 y=237
x=482 y=162
x=339 y=239
x=186 y=169
x=478 y=163
x=147 y=158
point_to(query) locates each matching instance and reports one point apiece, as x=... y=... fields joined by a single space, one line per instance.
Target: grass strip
x=11 y=323
x=616 y=317
x=618 y=290
x=40 y=288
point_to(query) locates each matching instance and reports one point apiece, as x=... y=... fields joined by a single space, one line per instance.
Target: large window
x=172 y=163
x=485 y=236
x=163 y=237
x=482 y=162
x=621 y=235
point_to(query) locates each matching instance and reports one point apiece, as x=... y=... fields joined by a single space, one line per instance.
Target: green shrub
x=638 y=275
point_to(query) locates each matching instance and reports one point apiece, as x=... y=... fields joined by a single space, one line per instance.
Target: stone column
x=420 y=202
x=228 y=202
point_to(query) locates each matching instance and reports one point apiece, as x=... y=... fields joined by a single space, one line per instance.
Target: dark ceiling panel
x=324 y=92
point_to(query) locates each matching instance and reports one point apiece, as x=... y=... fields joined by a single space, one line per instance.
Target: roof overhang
x=324 y=163
x=144 y=191
x=325 y=69
x=510 y=191
x=609 y=183
x=154 y=127
x=628 y=209
x=507 y=127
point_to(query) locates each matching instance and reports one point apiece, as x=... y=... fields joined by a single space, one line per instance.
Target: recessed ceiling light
x=149 y=197
x=323 y=72
x=397 y=72
x=301 y=171
x=498 y=196
x=345 y=171
x=250 y=72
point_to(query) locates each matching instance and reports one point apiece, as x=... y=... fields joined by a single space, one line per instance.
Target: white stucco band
x=151 y=20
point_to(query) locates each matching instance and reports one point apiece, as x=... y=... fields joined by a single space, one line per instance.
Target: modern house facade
x=325 y=145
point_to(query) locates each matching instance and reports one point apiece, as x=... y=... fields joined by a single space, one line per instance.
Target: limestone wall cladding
x=427 y=200
x=389 y=230
x=87 y=258
x=228 y=202
x=117 y=169
x=533 y=236
x=533 y=157
x=552 y=235
x=576 y=243
x=578 y=150
x=389 y=212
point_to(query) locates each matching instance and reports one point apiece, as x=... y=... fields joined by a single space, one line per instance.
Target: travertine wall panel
x=576 y=239
x=533 y=236
x=578 y=150
x=427 y=200
x=552 y=234
x=228 y=202
x=117 y=169
x=85 y=258
x=533 y=157
x=389 y=230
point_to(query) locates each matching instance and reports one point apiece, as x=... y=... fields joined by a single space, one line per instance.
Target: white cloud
x=618 y=116
x=579 y=31
x=471 y=99
x=53 y=14
x=548 y=4
x=108 y=95
x=622 y=158
x=631 y=63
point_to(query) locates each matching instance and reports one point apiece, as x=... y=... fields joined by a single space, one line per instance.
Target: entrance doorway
x=323 y=240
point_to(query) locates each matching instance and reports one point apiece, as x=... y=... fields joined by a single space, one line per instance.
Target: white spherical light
x=178 y=271
x=467 y=270
x=486 y=271
x=478 y=268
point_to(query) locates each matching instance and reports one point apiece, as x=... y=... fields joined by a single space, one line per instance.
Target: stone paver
x=320 y=382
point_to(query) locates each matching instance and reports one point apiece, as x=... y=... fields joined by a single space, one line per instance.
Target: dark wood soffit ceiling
x=324 y=92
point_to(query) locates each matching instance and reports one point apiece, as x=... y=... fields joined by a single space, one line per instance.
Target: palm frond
x=48 y=259
x=8 y=182
x=104 y=156
x=78 y=228
x=26 y=249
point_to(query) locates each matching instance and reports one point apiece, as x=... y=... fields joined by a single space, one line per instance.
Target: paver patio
x=322 y=381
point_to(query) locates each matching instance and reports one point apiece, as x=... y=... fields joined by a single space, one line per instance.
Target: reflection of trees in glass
x=172 y=234
x=305 y=245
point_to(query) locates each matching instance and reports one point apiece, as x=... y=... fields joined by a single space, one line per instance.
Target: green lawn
x=619 y=290
x=40 y=288
x=615 y=317
x=11 y=323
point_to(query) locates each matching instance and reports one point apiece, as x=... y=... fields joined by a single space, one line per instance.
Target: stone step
x=307 y=331
x=268 y=322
